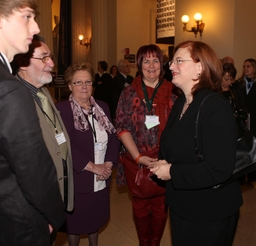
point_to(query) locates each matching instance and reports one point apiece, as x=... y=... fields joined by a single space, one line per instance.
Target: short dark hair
x=103 y=65
x=112 y=67
x=153 y=50
x=230 y=69
x=23 y=59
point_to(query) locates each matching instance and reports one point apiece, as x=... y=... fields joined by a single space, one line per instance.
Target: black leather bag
x=245 y=154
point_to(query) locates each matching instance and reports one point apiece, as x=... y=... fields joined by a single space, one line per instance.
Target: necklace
x=185 y=107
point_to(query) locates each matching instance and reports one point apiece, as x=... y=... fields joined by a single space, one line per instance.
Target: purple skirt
x=91 y=212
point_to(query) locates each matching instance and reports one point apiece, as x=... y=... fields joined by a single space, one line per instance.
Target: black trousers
x=217 y=233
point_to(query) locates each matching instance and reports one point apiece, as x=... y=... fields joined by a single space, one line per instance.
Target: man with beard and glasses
x=34 y=71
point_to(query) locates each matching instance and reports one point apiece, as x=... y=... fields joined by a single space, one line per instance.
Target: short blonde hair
x=72 y=69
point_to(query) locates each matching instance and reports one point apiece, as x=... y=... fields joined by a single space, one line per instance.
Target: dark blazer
x=29 y=192
x=189 y=192
x=82 y=147
x=103 y=90
x=118 y=84
x=247 y=102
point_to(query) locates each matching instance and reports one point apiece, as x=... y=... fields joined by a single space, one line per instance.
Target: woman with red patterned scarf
x=141 y=116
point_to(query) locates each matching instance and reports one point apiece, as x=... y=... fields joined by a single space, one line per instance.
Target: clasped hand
x=104 y=171
x=161 y=169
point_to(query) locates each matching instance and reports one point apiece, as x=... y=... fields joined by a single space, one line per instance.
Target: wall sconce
x=87 y=41
x=199 y=28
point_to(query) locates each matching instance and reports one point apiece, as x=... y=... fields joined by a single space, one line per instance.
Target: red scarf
x=164 y=99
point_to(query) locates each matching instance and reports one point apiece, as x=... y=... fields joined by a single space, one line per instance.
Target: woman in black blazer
x=199 y=215
x=245 y=88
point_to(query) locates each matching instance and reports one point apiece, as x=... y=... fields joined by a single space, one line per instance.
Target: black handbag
x=245 y=153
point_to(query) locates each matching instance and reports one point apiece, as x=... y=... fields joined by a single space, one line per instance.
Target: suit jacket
x=82 y=145
x=29 y=192
x=189 y=192
x=118 y=85
x=247 y=102
x=103 y=88
x=55 y=152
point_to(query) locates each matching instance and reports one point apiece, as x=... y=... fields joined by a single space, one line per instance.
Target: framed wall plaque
x=165 y=22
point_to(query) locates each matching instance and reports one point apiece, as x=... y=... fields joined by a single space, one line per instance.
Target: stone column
x=44 y=21
x=99 y=31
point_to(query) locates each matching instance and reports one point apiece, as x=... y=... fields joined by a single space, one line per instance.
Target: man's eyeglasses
x=45 y=59
x=178 y=61
x=80 y=82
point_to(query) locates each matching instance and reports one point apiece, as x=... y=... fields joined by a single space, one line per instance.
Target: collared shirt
x=248 y=84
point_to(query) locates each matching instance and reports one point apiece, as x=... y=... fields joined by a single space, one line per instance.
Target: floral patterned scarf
x=80 y=121
x=163 y=100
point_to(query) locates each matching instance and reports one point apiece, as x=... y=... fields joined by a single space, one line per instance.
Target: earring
x=199 y=75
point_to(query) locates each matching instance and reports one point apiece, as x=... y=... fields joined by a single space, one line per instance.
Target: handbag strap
x=198 y=154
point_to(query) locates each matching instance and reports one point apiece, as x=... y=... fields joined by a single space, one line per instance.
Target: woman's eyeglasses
x=80 y=82
x=178 y=61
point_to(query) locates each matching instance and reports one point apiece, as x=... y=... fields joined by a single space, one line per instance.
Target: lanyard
x=92 y=126
x=53 y=123
x=149 y=102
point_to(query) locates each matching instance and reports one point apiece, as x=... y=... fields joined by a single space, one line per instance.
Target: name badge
x=60 y=138
x=98 y=146
x=152 y=121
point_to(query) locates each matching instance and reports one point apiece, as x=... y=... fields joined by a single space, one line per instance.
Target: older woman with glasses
x=94 y=146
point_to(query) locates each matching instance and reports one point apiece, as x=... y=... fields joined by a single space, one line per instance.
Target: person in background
x=122 y=80
x=113 y=71
x=102 y=84
x=199 y=215
x=245 y=88
x=34 y=72
x=30 y=200
x=167 y=71
x=227 y=59
x=141 y=115
x=228 y=91
x=94 y=146
x=168 y=76
x=228 y=77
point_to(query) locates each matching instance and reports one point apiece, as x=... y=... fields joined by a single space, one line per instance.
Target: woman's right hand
x=161 y=169
x=99 y=169
x=102 y=170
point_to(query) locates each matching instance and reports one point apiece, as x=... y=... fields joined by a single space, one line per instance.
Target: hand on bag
x=161 y=169
x=147 y=161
